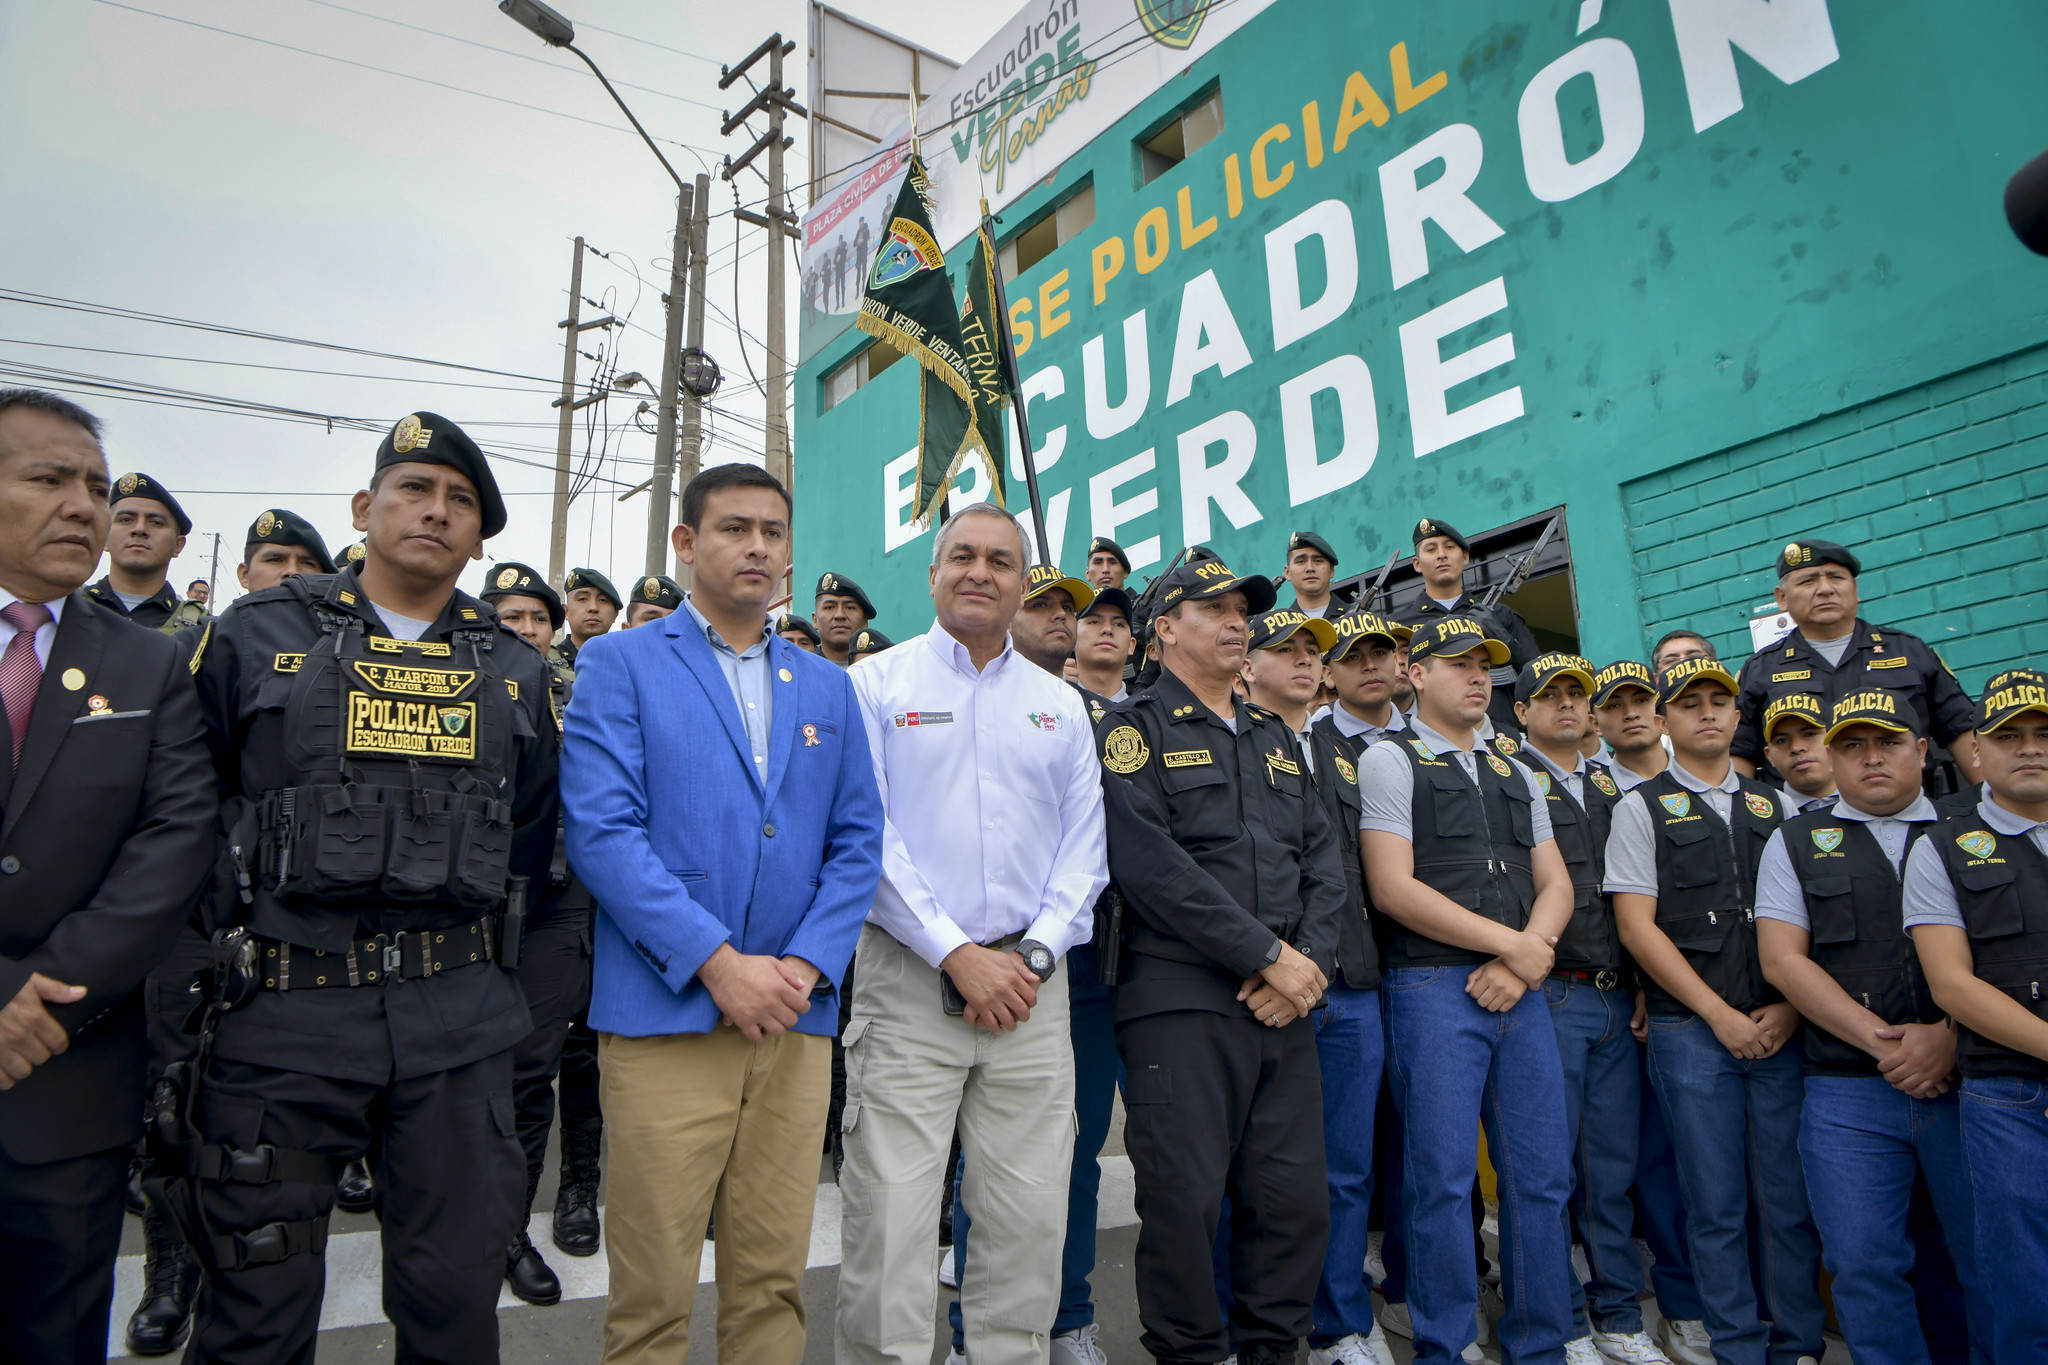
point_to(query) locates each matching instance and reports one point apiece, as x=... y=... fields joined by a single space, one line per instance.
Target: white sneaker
x=947 y=1277
x=1472 y=1355
x=1580 y=1351
x=1394 y=1317
x=1375 y=1264
x=1351 y=1350
x=1686 y=1341
x=1376 y=1347
x=955 y=1358
x=1809 y=1360
x=1628 y=1348
x=1079 y=1347
x=1491 y=1305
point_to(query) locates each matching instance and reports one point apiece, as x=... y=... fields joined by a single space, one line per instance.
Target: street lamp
x=554 y=29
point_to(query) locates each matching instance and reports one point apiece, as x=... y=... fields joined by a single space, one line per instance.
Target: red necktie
x=21 y=673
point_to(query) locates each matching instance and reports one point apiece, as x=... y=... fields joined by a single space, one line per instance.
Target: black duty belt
x=377 y=961
x=1606 y=979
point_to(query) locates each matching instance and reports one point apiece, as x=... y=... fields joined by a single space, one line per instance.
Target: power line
x=282 y=369
x=9 y=295
x=387 y=71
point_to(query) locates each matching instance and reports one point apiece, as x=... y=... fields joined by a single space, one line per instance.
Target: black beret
x=1309 y=540
x=866 y=642
x=143 y=486
x=659 y=590
x=511 y=579
x=591 y=578
x=1428 y=527
x=840 y=585
x=428 y=438
x=1804 y=554
x=1104 y=545
x=789 y=621
x=356 y=553
x=279 y=527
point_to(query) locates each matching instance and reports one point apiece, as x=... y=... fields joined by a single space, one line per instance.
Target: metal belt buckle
x=387 y=946
x=1606 y=979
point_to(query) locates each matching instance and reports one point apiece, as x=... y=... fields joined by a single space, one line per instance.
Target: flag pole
x=1013 y=381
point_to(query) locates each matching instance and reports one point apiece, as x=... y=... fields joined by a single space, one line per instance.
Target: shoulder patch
x=1124 y=750
x=1762 y=807
x=1345 y=770
x=1604 y=782
x=1499 y=765
x=1507 y=744
x=1543 y=783
x=1828 y=840
x=1427 y=753
x=1978 y=843
x=1678 y=803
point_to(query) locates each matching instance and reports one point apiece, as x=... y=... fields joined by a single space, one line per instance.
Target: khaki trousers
x=912 y=1072
x=701 y=1116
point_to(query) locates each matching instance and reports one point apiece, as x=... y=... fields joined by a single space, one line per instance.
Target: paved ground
x=354 y=1332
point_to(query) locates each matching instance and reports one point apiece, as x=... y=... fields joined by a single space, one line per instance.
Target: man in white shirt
x=992 y=857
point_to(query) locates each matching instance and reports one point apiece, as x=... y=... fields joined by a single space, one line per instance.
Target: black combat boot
x=353 y=1191
x=529 y=1276
x=138 y=1168
x=170 y=1277
x=576 y=1221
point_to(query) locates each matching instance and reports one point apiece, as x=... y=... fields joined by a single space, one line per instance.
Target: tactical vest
x=1706 y=887
x=1591 y=941
x=1336 y=780
x=401 y=811
x=2001 y=883
x=1472 y=845
x=1855 y=902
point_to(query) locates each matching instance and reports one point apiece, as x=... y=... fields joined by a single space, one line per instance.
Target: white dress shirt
x=46 y=633
x=992 y=799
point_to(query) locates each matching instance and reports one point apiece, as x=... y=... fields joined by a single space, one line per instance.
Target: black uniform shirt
x=1224 y=850
x=1876 y=656
x=408 y=1028
x=151 y=612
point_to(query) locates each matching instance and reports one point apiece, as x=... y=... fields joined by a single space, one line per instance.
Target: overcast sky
x=190 y=171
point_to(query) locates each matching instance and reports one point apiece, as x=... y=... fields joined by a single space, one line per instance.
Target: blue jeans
x=1602 y=1099
x=1734 y=1128
x=1453 y=1061
x=1092 y=1022
x=1863 y=1144
x=1351 y=1047
x=1660 y=1210
x=2005 y=1140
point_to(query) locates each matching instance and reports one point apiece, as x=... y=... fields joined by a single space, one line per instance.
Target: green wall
x=1943 y=489
x=1746 y=333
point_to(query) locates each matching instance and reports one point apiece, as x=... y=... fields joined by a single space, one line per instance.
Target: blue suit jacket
x=682 y=846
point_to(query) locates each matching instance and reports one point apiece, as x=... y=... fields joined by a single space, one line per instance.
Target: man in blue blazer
x=722 y=808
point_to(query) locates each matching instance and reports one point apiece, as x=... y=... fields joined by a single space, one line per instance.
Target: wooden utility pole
x=775 y=100
x=671 y=381
x=690 y=430
x=558 y=538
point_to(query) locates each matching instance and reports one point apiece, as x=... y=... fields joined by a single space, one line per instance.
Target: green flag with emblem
x=909 y=303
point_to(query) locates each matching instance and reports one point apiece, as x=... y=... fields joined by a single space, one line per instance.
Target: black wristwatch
x=1038 y=958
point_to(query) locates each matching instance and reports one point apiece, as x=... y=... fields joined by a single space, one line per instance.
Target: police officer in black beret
x=1238 y=887
x=386 y=755
x=555 y=954
x=591 y=605
x=868 y=642
x=798 y=631
x=149 y=532
x=1832 y=651
x=1441 y=557
x=1311 y=564
x=280 y=543
x=355 y=554
x=654 y=597
x=1108 y=565
x=841 y=610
